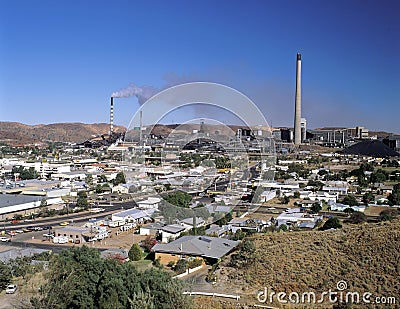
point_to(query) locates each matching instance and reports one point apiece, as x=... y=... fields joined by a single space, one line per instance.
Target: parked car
x=5 y=239
x=11 y=288
x=65 y=223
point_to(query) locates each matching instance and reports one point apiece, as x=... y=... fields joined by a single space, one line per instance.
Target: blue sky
x=61 y=60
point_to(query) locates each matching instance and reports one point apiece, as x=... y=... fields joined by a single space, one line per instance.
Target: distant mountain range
x=15 y=133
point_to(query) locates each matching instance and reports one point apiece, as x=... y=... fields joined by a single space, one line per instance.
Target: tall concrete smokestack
x=140 y=127
x=111 y=115
x=297 y=111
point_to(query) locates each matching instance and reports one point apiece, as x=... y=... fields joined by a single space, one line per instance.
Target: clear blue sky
x=61 y=60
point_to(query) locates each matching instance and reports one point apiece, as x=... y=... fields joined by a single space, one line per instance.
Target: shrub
x=135 y=253
x=331 y=223
x=357 y=217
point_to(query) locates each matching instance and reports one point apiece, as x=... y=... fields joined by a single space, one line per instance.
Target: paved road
x=76 y=217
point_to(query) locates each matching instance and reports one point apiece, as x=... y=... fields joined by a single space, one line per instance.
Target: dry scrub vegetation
x=365 y=256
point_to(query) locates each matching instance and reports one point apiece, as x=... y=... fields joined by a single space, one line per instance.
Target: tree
x=24 y=173
x=5 y=275
x=120 y=178
x=149 y=242
x=180 y=199
x=80 y=278
x=394 y=197
x=285 y=199
x=348 y=210
x=357 y=217
x=102 y=178
x=82 y=202
x=82 y=194
x=368 y=197
x=316 y=207
x=99 y=188
x=350 y=200
x=135 y=253
x=379 y=176
x=283 y=228
x=296 y=194
x=89 y=180
x=331 y=223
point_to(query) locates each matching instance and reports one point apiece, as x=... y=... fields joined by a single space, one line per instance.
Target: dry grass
x=366 y=257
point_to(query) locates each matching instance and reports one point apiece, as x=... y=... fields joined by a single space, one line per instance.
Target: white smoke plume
x=142 y=93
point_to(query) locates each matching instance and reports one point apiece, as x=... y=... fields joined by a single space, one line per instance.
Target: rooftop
x=210 y=247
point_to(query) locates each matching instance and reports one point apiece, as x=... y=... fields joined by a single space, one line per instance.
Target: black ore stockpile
x=371 y=148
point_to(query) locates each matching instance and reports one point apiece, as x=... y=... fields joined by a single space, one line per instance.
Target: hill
x=15 y=133
x=366 y=257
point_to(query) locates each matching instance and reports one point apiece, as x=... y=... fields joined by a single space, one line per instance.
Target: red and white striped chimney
x=111 y=115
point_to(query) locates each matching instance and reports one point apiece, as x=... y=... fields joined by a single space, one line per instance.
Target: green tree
x=379 y=176
x=99 y=188
x=285 y=200
x=316 y=207
x=82 y=194
x=348 y=210
x=80 y=278
x=120 y=178
x=180 y=199
x=350 y=200
x=82 y=202
x=296 y=194
x=5 y=275
x=394 y=197
x=283 y=228
x=102 y=178
x=331 y=223
x=135 y=253
x=181 y=266
x=89 y=180
x=368 y=197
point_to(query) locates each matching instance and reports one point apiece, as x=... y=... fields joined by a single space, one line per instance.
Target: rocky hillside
x=15 y=133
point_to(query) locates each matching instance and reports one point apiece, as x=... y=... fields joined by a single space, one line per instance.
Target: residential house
x=150 y=203
x=186 y=247
x=133 y=215
x=216 y=230
x=189 y=224
x=171 y=231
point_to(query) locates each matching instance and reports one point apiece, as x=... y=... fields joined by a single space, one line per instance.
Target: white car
x=11 y=289
x=5 y=239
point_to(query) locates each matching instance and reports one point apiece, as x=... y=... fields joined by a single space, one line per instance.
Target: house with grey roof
x=171 y=231
x=189 y=224
x=186 y=247
x=14 y=253
x=133 y=215
x=216 y=230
